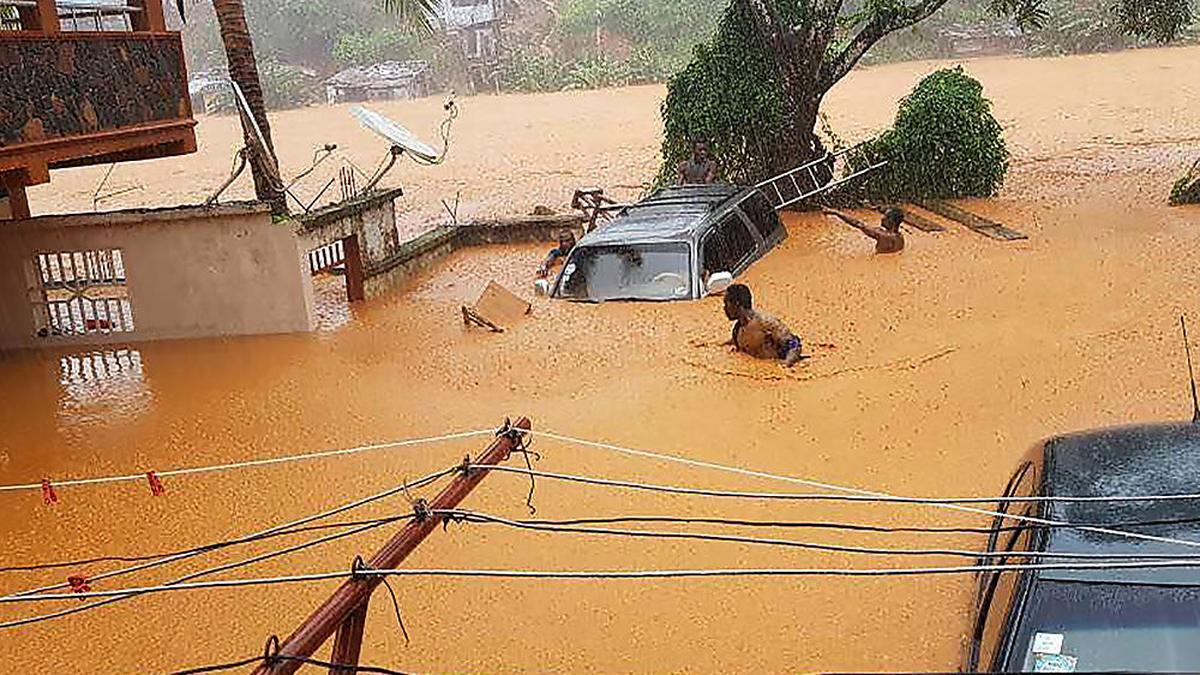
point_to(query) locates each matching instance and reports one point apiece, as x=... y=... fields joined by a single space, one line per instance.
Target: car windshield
x=1108 y=627
x=627 y=272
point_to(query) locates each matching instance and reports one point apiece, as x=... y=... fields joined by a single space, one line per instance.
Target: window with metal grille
x=81 y=293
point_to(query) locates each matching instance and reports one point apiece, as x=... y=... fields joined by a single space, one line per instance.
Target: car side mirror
x=541 y=287
x=718 y=282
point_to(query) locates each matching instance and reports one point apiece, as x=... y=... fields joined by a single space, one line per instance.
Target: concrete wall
x=191 y=272
x=372 y=218
x=418 y=255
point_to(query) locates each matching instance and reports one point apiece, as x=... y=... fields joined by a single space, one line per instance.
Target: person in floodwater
x=756 y=333
x=558 y=254
x=888 y=238
x=700 y=169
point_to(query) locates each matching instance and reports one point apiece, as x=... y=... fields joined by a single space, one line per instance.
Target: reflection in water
x=102 y=386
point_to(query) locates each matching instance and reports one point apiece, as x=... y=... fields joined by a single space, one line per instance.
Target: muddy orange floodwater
x=932 y=372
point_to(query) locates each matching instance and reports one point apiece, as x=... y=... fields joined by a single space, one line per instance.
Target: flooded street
x=933 y=372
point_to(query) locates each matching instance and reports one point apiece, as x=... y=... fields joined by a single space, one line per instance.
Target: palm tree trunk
x=243 y=70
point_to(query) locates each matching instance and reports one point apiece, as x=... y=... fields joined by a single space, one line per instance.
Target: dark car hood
x=1156 y=459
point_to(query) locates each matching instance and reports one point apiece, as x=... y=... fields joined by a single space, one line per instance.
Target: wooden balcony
x=88 y=84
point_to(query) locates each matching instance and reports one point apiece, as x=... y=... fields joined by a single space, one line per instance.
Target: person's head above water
x=700 y=150
x=892 y=219
x=738 y=301
x=566 y=239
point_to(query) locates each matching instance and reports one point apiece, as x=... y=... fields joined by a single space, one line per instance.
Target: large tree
x=243 y=70
x=801 y=48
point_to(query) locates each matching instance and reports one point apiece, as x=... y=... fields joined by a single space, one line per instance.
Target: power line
x=188 y=577
x=804 y=496
x=850 y=527
x=611 y=574
x=83 y=562
x=252 y=463
x=476 y=517
x=850 y=490
x=608 y=520
x=271 y=530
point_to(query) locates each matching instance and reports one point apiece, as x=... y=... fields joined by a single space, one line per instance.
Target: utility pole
x=345 y=612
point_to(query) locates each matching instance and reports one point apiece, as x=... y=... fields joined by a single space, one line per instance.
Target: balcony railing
x=99 y=81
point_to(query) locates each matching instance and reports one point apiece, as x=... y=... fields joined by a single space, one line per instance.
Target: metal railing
x=96 y=16
x=73 y=15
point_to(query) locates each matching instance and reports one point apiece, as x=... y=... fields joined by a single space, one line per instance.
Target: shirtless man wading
x=756 y=333
x=888 y=238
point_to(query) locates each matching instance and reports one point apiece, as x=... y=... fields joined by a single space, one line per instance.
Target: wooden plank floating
x=988 y=228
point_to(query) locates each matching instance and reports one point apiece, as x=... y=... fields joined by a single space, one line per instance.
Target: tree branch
x=879 y=26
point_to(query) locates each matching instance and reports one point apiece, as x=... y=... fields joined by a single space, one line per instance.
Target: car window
x=762 y=214
x=1102 y=627
x=728 y=245
x=627 y=272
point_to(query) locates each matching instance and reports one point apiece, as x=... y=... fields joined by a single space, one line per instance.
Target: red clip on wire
x=49 y=496
x=79 y=584
x=156 y=486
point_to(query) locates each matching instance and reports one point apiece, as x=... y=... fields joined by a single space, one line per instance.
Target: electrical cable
x=82 y=562
x=612 y=574
x=850 y=490
x=188 y=577
x=850 y=527
x=820 y=496
x=483 y=518
x=253 y=462
x=300 y=521
x=611 y=520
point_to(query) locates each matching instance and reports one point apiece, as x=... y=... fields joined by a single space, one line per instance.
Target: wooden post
x=352 y=595
x=352 y=254
x=151 y=18
x=46 y=16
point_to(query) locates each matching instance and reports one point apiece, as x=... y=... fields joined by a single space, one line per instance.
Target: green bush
x=728 y=95
x=945 y=143
x=528 y=69
x=1187 y=189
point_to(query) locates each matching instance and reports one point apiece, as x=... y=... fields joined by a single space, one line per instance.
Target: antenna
x=1191 y=373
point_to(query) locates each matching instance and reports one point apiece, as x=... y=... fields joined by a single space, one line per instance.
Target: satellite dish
x=395 y=133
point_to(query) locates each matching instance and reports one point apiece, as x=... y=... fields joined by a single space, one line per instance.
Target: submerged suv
x=678 y=243
x=1092 y=618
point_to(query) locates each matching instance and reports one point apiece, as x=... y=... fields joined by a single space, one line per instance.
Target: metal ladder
x=816 y=177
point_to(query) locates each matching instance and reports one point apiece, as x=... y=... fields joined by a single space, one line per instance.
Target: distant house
x=385 y=80
x=1000 y=38
x=206 y=87
x=477 y=25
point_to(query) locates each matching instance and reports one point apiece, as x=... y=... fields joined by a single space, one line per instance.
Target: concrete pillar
x=354 y=269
